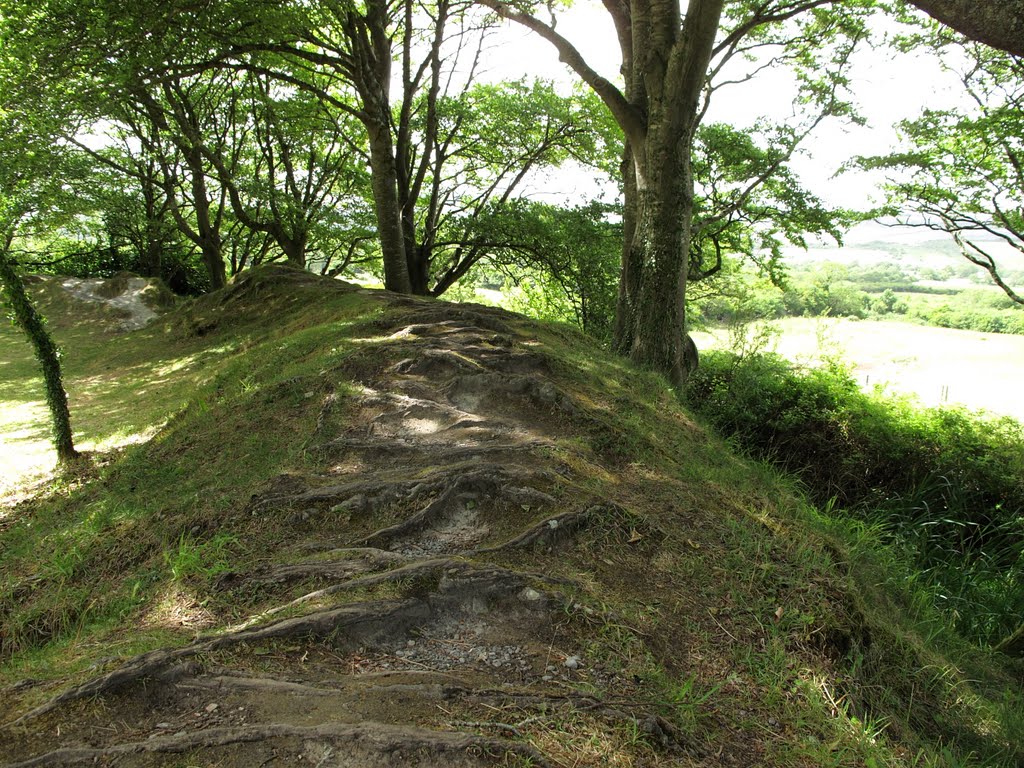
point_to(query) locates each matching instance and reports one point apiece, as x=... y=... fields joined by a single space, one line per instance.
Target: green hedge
x=945 y=483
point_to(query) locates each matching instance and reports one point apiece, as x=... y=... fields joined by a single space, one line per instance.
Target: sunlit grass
x=747 y=618
x=121 y=388
x=937 y=365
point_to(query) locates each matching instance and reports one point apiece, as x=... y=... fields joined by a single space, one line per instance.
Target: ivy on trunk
x=26 y=316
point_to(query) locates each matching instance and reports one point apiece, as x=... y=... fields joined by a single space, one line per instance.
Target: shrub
x=945 y=483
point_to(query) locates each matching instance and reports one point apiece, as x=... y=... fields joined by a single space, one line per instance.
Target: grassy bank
x=764 y=631
x=944 y=486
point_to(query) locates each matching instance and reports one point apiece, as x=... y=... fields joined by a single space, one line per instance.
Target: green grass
x=936 y=365
x=121 y=387
x=797 y=638
x=153 y=515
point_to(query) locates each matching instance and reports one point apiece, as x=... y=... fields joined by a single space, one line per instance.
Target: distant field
x=978 y=370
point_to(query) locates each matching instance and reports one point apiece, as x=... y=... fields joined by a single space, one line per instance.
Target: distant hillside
x=912 y=253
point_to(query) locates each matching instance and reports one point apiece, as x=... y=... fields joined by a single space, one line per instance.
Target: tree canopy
x=962 y=171
x=343 y=134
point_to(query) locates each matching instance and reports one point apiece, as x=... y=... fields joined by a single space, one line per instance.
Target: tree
x=31 y=186
x=749 y=203
x=564 y=259
x=962 y=173
x=489 y=138
x=291 y=164
x=26 y=316
x=440 y=149
x=443 y=150
x=667 y=59
x=998 y=23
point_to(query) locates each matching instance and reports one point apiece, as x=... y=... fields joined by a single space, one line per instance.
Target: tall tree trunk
x=629 y=272
x=46 y=353
x=665 y=66
x=294 y=248
x=384 y=180
x=999 y=23
x=152 y=250
x=666 y=69
x=656 y=268
x=213 y=259
x=419 y=269
x=210 y=243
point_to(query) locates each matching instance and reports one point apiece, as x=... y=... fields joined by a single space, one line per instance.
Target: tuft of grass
x=710 y=591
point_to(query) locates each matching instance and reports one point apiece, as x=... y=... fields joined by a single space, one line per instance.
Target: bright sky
x=889 y=88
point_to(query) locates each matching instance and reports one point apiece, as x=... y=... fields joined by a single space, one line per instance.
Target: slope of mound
x=390 y=531
x=89 y=318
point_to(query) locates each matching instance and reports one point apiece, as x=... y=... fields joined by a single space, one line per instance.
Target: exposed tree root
x=424 y=570
x=358 y=624
x=378 y=491
x=471 y=485
x=421 y=569
x=363 y=496
x=434 y=689
x=429 y=320
x=390 y=744
x=434 y=363
x=470 y=392
x=550 y=532
x=283 y=574
x=436 y=453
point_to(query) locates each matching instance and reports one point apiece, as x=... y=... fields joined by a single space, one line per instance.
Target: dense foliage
x=945 y=484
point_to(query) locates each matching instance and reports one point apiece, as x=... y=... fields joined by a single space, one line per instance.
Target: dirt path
x=424 y=598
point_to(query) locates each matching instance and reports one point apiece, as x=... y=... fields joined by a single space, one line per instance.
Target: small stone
x=410 y=643
x=547 y=678
x=530 y=595
x=552 y=524
x=164 y=726
x=573 y=662
x=212 y=707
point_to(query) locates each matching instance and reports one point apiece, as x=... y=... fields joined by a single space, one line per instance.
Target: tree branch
x=630 y=120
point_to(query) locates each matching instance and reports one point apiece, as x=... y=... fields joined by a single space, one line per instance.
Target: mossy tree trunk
x=664 y=66
x=999 y=23
x=46 y=352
